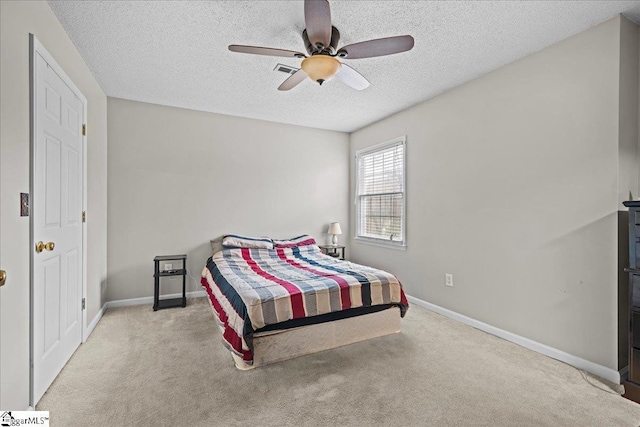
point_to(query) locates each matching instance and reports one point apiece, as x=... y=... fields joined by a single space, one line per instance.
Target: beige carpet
x=168 y=368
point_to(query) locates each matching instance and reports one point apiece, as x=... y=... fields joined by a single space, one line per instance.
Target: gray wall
x=178 y=178
x=512 y=183
x=17 y=20
x=628 y=170
x=628 y=108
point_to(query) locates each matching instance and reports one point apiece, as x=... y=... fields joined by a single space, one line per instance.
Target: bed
x=278 y=299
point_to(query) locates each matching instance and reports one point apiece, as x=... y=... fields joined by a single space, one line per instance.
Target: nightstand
x=159 y=304
x=334 y=251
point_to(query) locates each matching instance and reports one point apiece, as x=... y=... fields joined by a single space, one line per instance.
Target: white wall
x=178 y=178
x=17 y=20
x=512 y=184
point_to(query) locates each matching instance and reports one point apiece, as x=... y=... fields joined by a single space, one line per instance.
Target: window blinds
x=380 y=195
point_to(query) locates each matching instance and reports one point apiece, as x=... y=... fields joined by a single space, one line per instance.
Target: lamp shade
x=334 y=228
x=321 y=68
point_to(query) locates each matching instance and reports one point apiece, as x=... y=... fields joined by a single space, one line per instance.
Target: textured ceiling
x=175 y=53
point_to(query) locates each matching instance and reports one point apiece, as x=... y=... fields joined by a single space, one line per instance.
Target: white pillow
x=216 y=244
x=236 y=241
x=303 y=240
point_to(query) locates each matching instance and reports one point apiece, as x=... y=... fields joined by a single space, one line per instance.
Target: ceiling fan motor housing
x=331 y=50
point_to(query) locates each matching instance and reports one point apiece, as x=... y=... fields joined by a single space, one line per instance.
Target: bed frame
x=276 y=346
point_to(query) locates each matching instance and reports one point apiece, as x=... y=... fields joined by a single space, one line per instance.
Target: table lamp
x=334 y=229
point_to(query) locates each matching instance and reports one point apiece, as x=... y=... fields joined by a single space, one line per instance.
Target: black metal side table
x=159 y=304
x=336 y=251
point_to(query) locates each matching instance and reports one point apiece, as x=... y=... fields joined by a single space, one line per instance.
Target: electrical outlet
x=448 y=279
x=168 y=267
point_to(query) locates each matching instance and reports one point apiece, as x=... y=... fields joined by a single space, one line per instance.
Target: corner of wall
x=628 y=119
x=628 y=165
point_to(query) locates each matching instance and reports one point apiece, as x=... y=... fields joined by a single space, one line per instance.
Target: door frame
x=36 y=48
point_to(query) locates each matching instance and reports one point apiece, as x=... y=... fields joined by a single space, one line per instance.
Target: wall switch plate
x=168 y=267
x=448 y=279
x=24 y=204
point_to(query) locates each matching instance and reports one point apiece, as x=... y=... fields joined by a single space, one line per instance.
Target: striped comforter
x=253 y=288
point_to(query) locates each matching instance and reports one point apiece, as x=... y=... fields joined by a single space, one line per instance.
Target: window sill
x=381 y=243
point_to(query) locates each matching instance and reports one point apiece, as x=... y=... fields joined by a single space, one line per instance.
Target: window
x=380 y=194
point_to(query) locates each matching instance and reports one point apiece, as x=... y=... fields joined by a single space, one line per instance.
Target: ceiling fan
x=321 y=42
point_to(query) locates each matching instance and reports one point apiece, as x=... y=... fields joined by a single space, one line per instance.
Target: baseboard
x=149 y=300
x=570 y=359
x=93 y=323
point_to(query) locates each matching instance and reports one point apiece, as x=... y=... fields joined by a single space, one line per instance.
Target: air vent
x=285 y=69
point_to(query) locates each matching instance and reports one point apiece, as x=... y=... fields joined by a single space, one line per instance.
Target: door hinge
x=83 y=304
x=84 y=216
x=84 y=129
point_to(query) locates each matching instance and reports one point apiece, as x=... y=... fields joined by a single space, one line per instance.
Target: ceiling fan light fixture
x=321 y=40
x=321 y=68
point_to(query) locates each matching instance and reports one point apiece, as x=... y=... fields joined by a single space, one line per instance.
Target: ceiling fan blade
x=377 y=47
x=293 y=80
x=317 y=18
x=351 y=77
x=257 y=50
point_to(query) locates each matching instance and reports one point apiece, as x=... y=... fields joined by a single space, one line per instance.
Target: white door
x=57 y=223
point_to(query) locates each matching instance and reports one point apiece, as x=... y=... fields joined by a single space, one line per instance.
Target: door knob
x=3 y=277
x=44 y=246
